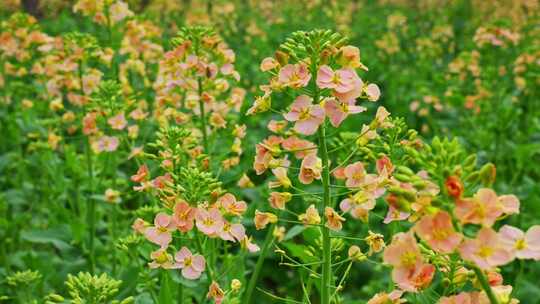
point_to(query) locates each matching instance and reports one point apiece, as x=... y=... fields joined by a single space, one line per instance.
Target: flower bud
x=281 y=57
x=488 y=174
x=236 y=285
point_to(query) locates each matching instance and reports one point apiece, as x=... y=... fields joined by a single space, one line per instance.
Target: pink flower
x=268 y=64
x=192 y=265
x=209 y=222
x=310 y=169
x=387 y=298
x=160 y=233
x=264 y=153
x=183 y=216
x=142 y=174
x=438 y=232
x=523 y=245
x=105 y=143
x=160 y=258
x=337 y=111
x=231 y=205
x=486 y=251
x=118 y=122
x=395 y=214
x=307 y=116
x=415 y=278
x=485 y=207
x=294 y=76
x=359 y=204
x=139 y=225
x=300 y=147
x=384 y=166
x=461 y=298
x=247 y=244
x=410 y=272
x=355 y=174
x=373 y=92
x=232 y=232
x=403 y=252
x=343 y=81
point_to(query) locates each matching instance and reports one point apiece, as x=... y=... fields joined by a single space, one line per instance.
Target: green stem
x=91 y=211
x=485 y=285
x=203 y=118
x=258 y=266
x=327 y=254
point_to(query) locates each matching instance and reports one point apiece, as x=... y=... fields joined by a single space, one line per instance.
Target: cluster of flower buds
x=107 y=12
x=195 y=88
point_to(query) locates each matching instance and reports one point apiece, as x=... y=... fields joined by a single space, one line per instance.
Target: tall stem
x=91 y=211
x=203 y=118
x=327 y=254
x=485 y=285
x=258 y=266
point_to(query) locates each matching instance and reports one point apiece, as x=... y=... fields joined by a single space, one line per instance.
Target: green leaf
x=55 y=237
x=294 y=231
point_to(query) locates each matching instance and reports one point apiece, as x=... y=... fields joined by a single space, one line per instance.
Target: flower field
x=258 y=151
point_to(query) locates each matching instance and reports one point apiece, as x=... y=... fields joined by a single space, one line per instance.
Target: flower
x=410 y=272
x=192 y=265
x=461 y=298
x=373 y=92
x=307 y=117
x=375 y=242
x=215 y=293
x=294 y=75
x=183 y=216
x=387 y=298
x=485 y=207
x=345 y=83
x=112 y=196
x=263 y=218
x=209 y=222
x=231 y=205
x=300 y=147
x=105 y=143
x=268 y=64
x=160 y=233
x=282 y=179
x=139 y=225
x=438 y=232
x=486 y=250
x=279 y=199
x=355 y=174
x=142 y=174
x=523 y=245
x=333 y=219
x=310 y=169
x=349 y=56
x=310 y=217
x=245 y=182
x=160 y=258
x=454 y=186
x=247 y=244
x=232 y=232
x=117 y=122
x=337 y=111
